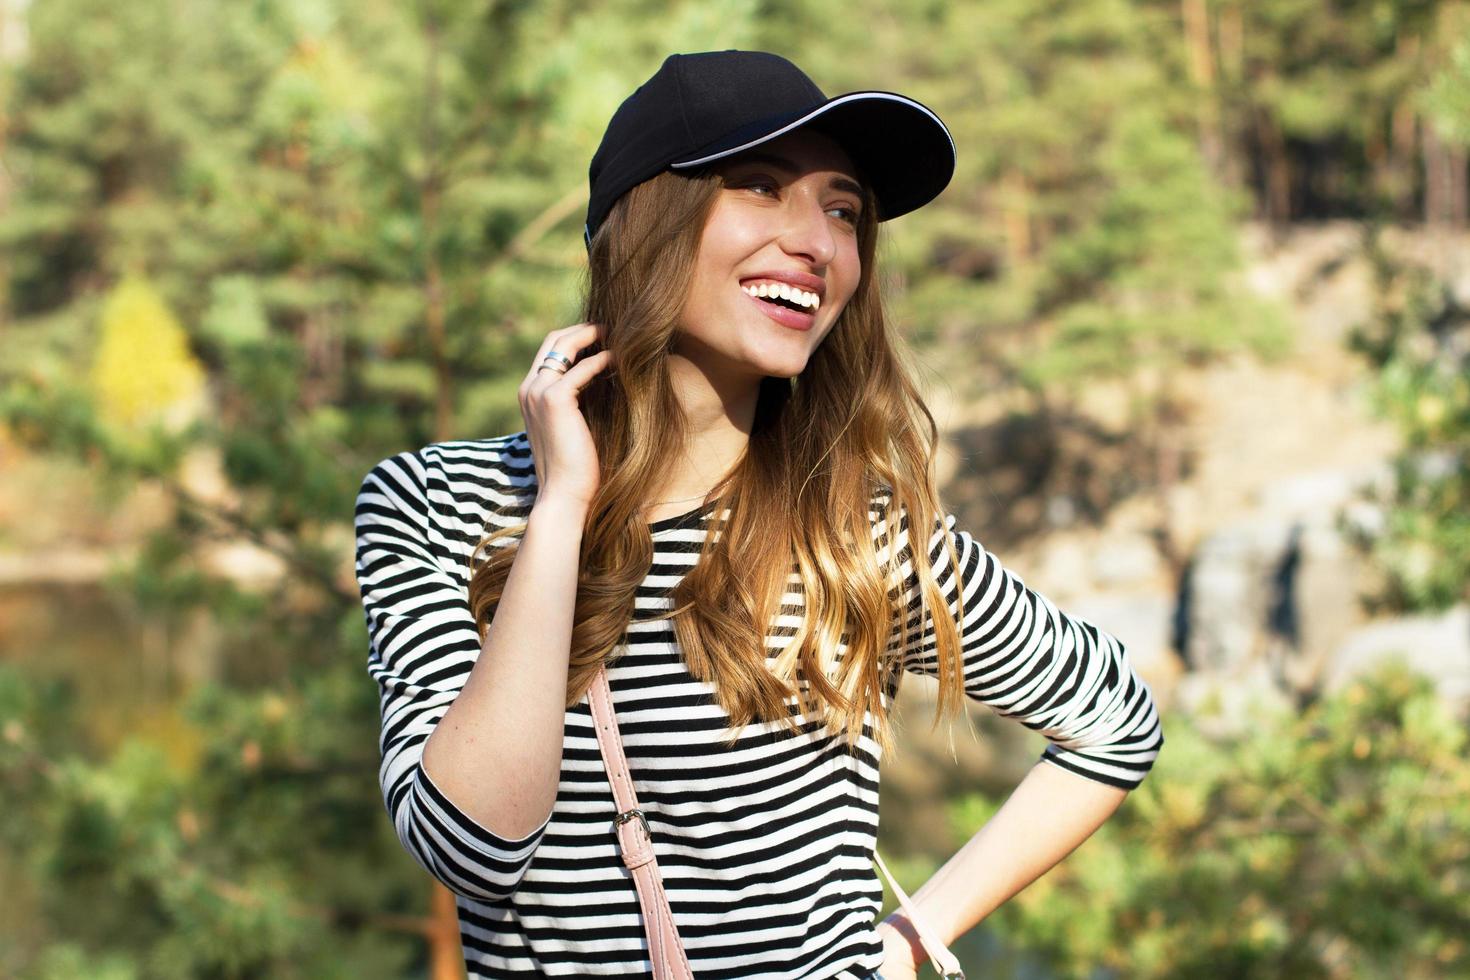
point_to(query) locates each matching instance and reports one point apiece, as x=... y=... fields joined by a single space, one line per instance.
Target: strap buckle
x=627 y=815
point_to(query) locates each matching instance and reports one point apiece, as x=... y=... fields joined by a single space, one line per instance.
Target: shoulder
x=481 y=478
x=504 y=461
x=500 y=460
x=493 y=475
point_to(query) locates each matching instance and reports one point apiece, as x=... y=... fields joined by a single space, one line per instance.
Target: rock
x=242 y=562
x=1142 y=622
x=1434 y=644
x=1225 y=703
x=1284 y=585
x=1061 y=570
x=1229 y=593
x=1125 y=560
x=1313 y=496
x=58 y=567
x=1329 y=577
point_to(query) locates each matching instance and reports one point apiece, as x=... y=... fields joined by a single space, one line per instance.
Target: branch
x=234 y=519
x=538 y=226
x=231 y=892
x=520 y=246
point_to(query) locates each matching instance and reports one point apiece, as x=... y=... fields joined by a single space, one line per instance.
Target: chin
x=789 y=352
x=782 y=368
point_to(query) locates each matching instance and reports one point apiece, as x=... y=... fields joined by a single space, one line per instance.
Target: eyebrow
x=759 y=156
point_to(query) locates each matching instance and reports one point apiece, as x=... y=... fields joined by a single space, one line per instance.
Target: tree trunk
x=1277 y=170
x=1168 y=471
x=1016 y=202
x=1195 y=15
x=1436 y=184
x=433 y=275
x=1456 y=204
x=1232 y=42
x=446 y=956
x=11 y=26
x=1231 y=71
x=1403 y=138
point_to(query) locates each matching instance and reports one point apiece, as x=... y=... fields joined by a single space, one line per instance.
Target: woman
x=734 y=358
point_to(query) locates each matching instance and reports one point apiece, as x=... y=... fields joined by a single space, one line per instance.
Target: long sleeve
x=1027 y=660
x=422 y=646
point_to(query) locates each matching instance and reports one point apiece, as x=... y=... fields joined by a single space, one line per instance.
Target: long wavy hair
x=850 y=434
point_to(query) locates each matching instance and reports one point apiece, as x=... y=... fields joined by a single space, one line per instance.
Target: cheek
x=851 y=285
x=846 y=300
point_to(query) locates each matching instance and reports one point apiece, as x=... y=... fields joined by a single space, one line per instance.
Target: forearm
x=497 y=751
x=1044 y=819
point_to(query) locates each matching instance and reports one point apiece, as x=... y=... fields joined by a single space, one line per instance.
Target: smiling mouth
x=773 y=294
x=795 y=317
x=789 y=304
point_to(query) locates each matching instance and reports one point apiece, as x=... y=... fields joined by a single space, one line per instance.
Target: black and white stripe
x=766 y=847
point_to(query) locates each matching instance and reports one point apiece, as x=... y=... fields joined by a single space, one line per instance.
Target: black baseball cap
x=700 y=107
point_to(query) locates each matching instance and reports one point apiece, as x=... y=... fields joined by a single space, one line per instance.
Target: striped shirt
x=765 y=848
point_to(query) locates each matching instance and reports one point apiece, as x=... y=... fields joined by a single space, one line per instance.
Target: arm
x=1056 y=674
x=472 y=811
x=498 y=748
x=1049 y=814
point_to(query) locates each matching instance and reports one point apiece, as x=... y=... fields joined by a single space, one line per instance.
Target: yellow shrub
x=144 y=370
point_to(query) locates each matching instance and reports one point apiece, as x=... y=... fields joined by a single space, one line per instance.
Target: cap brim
x=903 y=149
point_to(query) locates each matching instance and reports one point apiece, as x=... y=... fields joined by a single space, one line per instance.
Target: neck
x=719 y=423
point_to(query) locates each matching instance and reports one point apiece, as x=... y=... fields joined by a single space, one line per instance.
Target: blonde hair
x=849 y=434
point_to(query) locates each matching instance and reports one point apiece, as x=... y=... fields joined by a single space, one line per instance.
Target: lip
x=802 y=280
x=783 y=316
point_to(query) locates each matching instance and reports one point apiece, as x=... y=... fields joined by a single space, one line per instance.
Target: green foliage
x=1148 y=280
x=1447 y=96
x=311 y=188
x=1417 y=339
x=216 y=863
x=1329 y=77
x=1082 y=236
x=1334 y=844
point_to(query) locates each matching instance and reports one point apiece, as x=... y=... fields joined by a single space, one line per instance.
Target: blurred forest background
x=1194 y=309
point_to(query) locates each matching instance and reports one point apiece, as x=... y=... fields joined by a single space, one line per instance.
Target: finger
x=582 y=373
x=576 y=378
x=567 y=341
x=549 y=372
x=548 y=344
x=532 y=384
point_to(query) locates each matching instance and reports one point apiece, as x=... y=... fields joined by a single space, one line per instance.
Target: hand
x=561 y=443
x=898 y=955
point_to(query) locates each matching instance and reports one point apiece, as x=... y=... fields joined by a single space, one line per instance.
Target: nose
x=808 y=231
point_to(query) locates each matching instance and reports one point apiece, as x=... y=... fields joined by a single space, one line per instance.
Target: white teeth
x=784 y=291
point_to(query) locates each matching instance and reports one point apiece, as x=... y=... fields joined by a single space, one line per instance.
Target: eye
x=766 y=183
x=755 y=182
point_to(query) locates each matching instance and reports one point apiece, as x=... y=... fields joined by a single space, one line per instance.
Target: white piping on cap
x=817 y=112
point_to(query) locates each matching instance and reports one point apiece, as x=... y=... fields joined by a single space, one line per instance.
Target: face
x=788 y=207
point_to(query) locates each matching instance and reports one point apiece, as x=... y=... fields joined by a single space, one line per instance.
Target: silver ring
x=554 y=356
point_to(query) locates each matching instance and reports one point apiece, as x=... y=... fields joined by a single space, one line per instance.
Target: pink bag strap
x=664 y=946
x=940 y=957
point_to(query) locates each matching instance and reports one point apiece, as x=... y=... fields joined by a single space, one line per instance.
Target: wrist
x=903 y=938
x=566 y=510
